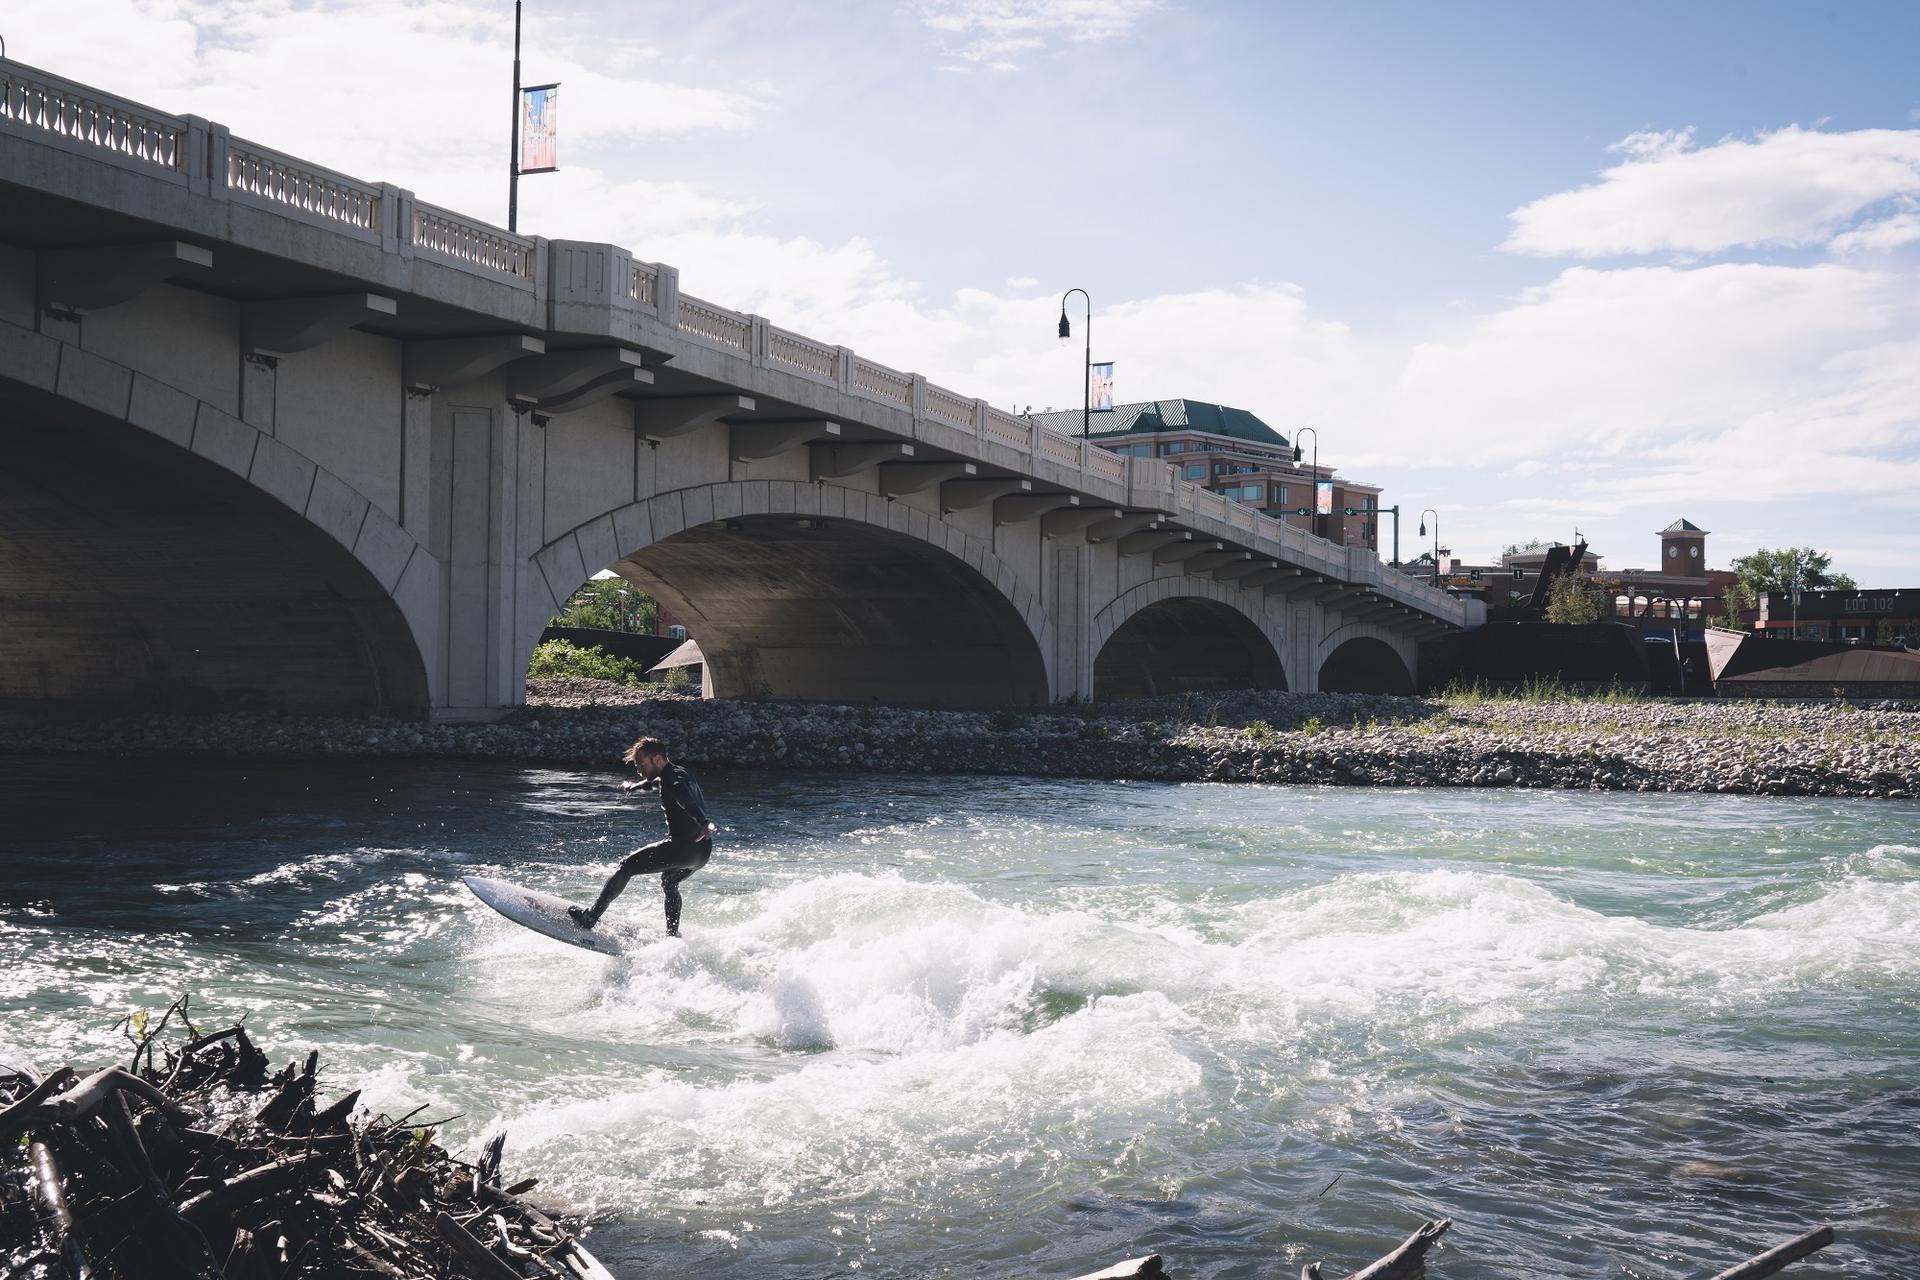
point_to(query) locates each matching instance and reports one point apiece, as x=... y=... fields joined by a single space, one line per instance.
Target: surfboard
x=540 y=912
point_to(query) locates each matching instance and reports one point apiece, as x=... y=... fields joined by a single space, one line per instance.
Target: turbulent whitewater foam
x=940 y=1034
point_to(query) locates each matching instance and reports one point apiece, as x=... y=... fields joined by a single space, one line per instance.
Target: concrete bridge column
x=483 y=494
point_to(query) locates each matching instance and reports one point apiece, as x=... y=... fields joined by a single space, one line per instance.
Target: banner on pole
x=1102 y=387
x=1323 y=497
x=539 y=128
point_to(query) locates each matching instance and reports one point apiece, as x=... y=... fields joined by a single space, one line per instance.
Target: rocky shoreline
x=1755 y=748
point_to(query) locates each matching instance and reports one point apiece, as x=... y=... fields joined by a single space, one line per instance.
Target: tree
x=1789 y=567
x=609 y=604
x=1735 y=601
x=1572 y=600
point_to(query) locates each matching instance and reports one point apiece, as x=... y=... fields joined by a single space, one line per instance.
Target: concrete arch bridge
x=279 y=438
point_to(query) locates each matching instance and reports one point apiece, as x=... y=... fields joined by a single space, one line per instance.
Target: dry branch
x=1780 y=1256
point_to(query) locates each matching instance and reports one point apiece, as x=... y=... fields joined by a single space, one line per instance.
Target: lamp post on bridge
x=1086 y=373
x=513 y=133
x=1436 y=539
x=1309 y=431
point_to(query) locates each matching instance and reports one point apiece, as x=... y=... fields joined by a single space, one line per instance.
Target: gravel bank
x=1772 y=748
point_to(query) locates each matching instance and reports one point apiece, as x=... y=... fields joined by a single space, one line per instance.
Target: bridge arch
x=1364 y=664
x=171 y=555
x=820 y=592
x=1178 y=634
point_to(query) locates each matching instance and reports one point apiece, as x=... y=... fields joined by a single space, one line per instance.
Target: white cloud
x=1888 y=233
x=1793 y=187
x=1732 y=383
x=996 y=31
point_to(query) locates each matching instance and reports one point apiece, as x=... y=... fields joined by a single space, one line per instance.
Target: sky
x=1542 y=269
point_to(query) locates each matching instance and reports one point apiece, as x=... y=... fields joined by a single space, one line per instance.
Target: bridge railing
x=472 y=244
x=951 y=408
x=1107 y=465
x=716 y=325
x=876 y=381
x=1010 y=430
x=643 y=284
x=87 y=119
x=261 y=176
x=802 y=356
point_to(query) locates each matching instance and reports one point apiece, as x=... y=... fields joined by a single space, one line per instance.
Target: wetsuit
x=685 y=850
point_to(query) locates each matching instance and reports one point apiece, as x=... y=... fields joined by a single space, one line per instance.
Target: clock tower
x=1683 y=550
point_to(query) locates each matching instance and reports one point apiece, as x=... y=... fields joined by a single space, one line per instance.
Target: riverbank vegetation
x=1530 y=737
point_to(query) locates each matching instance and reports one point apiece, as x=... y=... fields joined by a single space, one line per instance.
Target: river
x=942 y=1026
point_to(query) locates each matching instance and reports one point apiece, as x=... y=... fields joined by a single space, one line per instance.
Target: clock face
x=1694 y=552
x=1673 y=553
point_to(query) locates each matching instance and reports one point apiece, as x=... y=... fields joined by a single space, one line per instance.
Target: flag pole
x=513 y=135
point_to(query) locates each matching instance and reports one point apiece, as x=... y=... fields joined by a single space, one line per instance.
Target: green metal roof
x=1683 y=526
x=1166 y=415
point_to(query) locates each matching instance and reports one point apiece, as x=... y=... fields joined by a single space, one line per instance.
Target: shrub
x=1259 y=731
x=679 y=679
x=557 y=659
x=1004 y=721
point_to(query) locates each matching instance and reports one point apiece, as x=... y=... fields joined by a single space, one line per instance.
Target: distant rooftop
x=1683 y=525
x=1166 y=415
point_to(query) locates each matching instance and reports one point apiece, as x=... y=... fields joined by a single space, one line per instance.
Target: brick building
x=1681 y=587
x=1234 y=454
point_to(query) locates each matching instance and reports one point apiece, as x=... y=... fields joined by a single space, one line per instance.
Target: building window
x=1178 y=446
x=1195 y=471
x=1253 y=492
x=1282 y=491
x=677 y=632
x=1219 y=468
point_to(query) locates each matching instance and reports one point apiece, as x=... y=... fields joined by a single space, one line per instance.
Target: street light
x=1436 y=539
x=1309 y=431
x=1086 y=374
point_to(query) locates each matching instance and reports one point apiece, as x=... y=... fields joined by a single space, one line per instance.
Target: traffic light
x=1302 y=511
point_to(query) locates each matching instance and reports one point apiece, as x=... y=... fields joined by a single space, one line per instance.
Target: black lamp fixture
x=1086 y=373
x=1309 y=431
x=1436 y=539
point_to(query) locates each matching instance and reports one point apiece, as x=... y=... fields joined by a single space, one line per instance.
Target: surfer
x=689 y=841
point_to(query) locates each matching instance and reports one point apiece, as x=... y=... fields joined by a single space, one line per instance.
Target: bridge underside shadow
x=134 y=575
x=1365 y=665
x=1185 y=645
x=824 y=610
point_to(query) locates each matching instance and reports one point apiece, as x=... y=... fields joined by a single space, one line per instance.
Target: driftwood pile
x=195 y=1162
